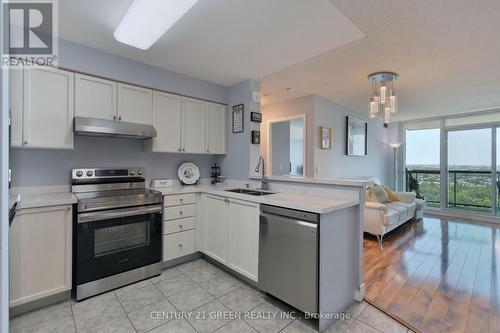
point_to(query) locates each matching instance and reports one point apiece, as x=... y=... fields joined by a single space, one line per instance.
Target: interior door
x=95 y=97
x=216 y=128
x=193 y=126
x=216 y=227
x=48 y=108
x=135 y=104
x=167 y=120
x=244 y=238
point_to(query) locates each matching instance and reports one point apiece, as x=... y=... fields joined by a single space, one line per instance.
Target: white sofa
x=380 y=218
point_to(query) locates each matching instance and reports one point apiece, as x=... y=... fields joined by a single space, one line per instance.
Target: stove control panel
x=106 y=173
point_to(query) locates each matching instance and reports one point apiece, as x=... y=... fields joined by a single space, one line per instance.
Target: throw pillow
x=379 y=193
x=391 y=195
x=369 y=196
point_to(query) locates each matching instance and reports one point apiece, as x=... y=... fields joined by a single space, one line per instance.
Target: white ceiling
x=447 y=52
x=223 y=41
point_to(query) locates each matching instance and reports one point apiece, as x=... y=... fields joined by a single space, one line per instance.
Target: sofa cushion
x=406 y=209
x=391 y=217
x=379 y=194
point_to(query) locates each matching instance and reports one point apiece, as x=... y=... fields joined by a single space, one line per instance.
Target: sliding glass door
x=469 y=172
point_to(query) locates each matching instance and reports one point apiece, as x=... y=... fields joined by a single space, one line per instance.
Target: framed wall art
x=326 y=137
x=238 y=118
x=356 y=137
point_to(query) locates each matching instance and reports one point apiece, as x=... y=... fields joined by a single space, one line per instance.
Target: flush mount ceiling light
x=147 y=20
x=383 y=99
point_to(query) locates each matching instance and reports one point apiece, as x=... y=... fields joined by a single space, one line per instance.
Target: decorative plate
x=188 y=173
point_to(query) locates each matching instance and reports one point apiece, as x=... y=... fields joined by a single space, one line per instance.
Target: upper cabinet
x=167 y=120
x=215 y=128
x=47 y=108
x=193 y=126
x=95 y=97
x=135 y=104
x=16 y=107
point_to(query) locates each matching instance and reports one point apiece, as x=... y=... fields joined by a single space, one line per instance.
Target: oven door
x=114 y=241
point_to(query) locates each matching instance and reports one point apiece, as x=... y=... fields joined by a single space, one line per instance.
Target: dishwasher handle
x=290 y=213
x=265 y=216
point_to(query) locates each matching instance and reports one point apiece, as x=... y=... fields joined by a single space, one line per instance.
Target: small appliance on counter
x=161 y=183
x=216 y=175
x=189 y=174
x=117 y=229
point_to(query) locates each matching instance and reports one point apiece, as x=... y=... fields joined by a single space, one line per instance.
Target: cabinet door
x=216 y=128
x=94 y=97
x=135 y=104
x=16 y=107
x=167 y=120
x=216 y=229
x=40 y=253
x=48 y=108
x=244 y=238
x=193 y=126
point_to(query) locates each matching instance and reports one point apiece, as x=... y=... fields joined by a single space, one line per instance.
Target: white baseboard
x=360 y=294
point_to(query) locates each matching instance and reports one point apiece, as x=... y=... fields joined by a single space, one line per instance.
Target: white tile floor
x=163 y=304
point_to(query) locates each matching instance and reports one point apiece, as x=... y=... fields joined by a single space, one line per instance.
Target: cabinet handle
x=208 y=151
x=183 y=149
x=180 y=212
x=226 y=201
x=26 y=142
x=181 y=199
x=180 y=149
x=180 y=245
x=180 y=226
x=120 y=118
x=114 y=117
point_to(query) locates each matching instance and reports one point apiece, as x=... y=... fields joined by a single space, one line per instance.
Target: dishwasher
x=288 y=256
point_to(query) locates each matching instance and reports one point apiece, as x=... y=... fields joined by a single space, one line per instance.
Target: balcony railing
x=467 y=189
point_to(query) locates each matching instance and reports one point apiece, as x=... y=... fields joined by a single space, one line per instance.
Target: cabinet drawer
x=178 y=212
x=174 y=226
x=178 y=245
x=179 y=199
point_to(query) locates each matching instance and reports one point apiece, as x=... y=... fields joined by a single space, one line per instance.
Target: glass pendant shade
x=383 y=96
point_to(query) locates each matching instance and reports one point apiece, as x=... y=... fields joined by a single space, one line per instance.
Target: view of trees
x=468 y=187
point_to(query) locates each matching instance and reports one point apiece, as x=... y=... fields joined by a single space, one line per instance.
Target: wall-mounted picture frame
x=256 y=117
x=238 y=118
x=356 y=137
x=325 y=137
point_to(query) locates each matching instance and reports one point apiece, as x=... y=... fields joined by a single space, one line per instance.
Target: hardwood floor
x=439 y=276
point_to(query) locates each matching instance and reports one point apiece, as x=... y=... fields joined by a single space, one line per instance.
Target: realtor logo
x=30 y=33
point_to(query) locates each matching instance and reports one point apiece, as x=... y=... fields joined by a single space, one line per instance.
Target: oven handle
x=117 y=213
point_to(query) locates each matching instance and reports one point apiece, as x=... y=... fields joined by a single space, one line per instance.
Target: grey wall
x=334 y=163
x=240 y=161
x=40 y=167
x=88 y=60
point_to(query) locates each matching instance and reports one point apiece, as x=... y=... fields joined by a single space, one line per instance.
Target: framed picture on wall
x=238 y=118
x=326 y=137
x=356 y=137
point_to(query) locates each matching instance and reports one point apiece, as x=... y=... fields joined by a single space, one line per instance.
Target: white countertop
x=314 y=204
x=326 y=181
x=43 y=199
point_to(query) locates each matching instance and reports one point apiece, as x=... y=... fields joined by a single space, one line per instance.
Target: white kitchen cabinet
x=16 y=107
x=216 y=227
x=48 y=108
x=40 y=254
x=215 y=128
x=193 y=126
x=243 y=237
x=95 y=97
x=167 y=120
x=135 y=104
x=231 y=229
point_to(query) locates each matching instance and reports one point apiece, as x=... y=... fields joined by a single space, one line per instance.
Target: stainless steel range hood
x=112 y=128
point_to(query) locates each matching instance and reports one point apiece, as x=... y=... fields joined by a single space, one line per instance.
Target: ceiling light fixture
x=147 y=20
x=384 y=96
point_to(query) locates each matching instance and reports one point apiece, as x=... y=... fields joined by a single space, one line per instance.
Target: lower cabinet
x=179 y=216
x=40 y=243
x=232 y=234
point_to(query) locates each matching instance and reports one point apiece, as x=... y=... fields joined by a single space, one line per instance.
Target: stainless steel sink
x=249 y=191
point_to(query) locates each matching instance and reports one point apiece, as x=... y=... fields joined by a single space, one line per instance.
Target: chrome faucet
x=261 y=167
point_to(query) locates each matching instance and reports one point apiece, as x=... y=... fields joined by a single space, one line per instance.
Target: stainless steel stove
x=117 y=229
